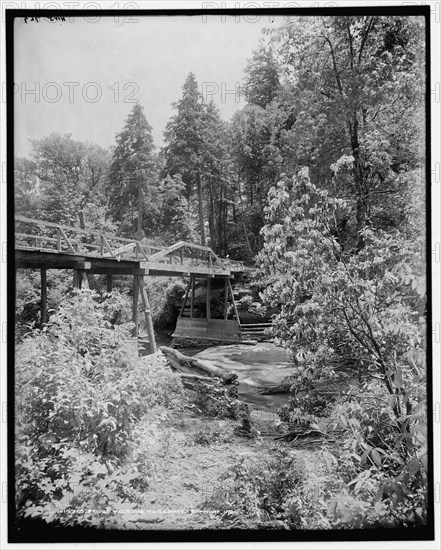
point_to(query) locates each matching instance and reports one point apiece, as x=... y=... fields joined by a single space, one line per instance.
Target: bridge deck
x=46 y=245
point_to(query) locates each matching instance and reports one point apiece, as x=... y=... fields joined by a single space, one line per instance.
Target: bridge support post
x=192 y=297
x=234 y=301
x=84 y=281
x=135 y=305
x=208 y=298
x=109 y=282
x=43 y=297
x=184 y=303
x=76 y=279
x=147 y=313
x=226 y=300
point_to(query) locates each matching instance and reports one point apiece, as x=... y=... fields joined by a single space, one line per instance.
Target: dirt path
x=185 y=458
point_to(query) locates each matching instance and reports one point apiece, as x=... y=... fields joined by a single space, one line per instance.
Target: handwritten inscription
x=37 y=19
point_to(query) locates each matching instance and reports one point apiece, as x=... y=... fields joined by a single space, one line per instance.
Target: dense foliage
x=317 y=183
x=354 y=324
x=81 y=389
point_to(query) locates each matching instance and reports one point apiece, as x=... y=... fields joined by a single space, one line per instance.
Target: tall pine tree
x=184 y=145
x=132 y=171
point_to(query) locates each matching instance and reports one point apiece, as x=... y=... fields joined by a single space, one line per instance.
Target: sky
x=81 y=76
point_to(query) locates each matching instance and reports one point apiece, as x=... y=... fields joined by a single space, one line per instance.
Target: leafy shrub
x=70 y=487
x=353 y=318
x=28 y=294
x=217 y=399
x=117 y=307
x=166 y=295
x=80 y=390
x=257 y=492
x=207 y=434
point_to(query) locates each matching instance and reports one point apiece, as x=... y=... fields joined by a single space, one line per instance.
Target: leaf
x=398 y=378
x=413 y=466
x=376 y=457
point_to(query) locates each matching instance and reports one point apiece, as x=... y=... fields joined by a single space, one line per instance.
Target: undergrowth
x=81 y=389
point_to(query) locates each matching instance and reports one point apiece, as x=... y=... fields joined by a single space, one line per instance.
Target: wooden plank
x=178 y=269
x=69 y=246
x=234 y=302
x=37 y=259
x=109 y=282
x=203 y=329
x=24 y=219
x=76 y=279
x=226 y=300
x=37 y=237
x=165 y=252
x=192 y=297
x=147 y=313
x=116 y=271
x=185 y=299
x=121 y=250
x=135 y=305
x=142 y=250
x=255 y=325
x=106 y=243
x=84 y=281
x=208 y=298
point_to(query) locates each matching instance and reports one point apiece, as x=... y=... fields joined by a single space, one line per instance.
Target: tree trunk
x=212 y=220
x=220 y=247
x=361 y=207
x=247 y=240
x=139 y=233
x=182 y=363
x=81 y=219
x=201 y=209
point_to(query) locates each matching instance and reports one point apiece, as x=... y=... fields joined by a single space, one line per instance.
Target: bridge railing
x=32 y=234
x=46 y=236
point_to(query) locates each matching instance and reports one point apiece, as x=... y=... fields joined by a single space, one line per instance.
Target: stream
x=257 y=367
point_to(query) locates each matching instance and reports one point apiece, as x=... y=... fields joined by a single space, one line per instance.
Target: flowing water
x=257 y=367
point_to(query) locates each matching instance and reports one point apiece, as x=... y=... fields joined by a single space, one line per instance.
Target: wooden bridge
x=45 y=245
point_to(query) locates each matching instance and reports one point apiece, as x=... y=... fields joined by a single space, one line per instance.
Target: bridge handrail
x=157 y=253
x=83 y=231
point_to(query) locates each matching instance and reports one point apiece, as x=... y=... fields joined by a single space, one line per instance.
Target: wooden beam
x=69 y=246
x=84 y=281
x=208 y=298
x=192 y=297
x=203 y=329
x=234 y=302
x=226 y=300
x=24 y=219
x=185 y=299
x=178 y=269
x=109 y=282
x=116 y=271
x=52 y=260
x=147 y=313
x=135 y=305
x=43 y=297
x=121 y=250
x=76 y=279
x=105 y=242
